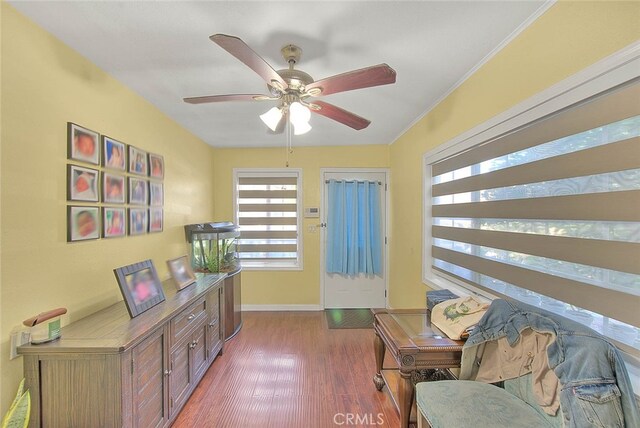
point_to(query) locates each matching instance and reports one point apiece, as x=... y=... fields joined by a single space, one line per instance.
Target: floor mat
x=349 y=318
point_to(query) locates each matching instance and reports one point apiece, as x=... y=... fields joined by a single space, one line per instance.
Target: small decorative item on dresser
x=42 y=332
x=83 y=223
x=181 y=272
x=140 y=286
x=114 y=154
x=82 y=144
x=82 y=184
x=156 y=166
x=138 y=161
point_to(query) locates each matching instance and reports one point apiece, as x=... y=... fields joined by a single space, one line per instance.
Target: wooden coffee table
x=419 y=351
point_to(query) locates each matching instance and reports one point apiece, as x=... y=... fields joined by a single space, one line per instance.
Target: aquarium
x=213 y=246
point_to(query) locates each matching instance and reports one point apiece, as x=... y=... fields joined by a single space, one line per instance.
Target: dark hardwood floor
x=288 y=370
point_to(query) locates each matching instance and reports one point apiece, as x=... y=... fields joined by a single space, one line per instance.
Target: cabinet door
x=215 y=332
x=180 y=376
x=228 y=307
x=232 y=304
x=198 y=352
x=237 y=301
x=148 y=373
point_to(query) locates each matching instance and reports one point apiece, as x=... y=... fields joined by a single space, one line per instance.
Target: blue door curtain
x=354 y=242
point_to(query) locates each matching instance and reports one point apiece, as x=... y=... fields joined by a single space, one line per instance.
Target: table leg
x=405 y=398
x=378 y=346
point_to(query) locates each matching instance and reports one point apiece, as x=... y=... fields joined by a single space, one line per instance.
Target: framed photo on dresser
x=140 y=286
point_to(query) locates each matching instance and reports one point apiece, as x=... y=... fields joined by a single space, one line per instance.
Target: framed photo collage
x=113 y=189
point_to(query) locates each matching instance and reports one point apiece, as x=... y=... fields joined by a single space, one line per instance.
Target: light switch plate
x=19 y=337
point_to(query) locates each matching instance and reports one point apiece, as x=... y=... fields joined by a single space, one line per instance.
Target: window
x=267 y=208
x=547 y=213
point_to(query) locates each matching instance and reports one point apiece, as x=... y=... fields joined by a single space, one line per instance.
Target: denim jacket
x=595 y=387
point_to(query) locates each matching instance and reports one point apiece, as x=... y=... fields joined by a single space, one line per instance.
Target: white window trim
x=273 y=266
x=607 y=73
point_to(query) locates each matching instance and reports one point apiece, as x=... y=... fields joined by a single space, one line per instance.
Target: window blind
x=267 y=212
x=552 y=208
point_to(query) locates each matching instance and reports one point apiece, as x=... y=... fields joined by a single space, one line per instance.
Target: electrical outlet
x=18 y=337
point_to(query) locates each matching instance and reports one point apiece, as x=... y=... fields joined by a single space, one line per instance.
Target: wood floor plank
x=288 y=370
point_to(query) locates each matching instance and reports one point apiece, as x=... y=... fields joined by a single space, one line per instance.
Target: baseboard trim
x=284 y=308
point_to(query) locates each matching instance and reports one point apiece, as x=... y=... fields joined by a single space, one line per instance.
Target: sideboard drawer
x=183 y=323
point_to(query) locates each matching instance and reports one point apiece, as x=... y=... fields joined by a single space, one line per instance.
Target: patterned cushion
x=464 y=403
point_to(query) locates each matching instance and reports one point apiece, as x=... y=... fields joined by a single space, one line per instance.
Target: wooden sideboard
x=108 y=370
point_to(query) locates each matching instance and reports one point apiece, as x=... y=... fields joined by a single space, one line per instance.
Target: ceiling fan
x=293 y=88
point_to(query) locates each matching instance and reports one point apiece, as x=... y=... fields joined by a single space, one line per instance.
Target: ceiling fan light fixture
x=299 y=116
x=299 y=113
x=272 y=117
x=301 y=128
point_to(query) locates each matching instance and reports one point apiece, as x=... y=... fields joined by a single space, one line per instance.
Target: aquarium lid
x=215 y=227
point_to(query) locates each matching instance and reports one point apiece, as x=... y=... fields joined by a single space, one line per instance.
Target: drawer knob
x=191 y=317
x=167 y=372
x=213 y=322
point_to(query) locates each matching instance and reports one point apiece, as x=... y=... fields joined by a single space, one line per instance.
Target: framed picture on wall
x=82 y=184
x=156 y=166
x=113 y=188
x=83 y=223
x=140 y=286
x=138 y=221
x=156 y=220
x=114 y=154
x=138 y=162
x=181 y=272
x=156 y=194
x=138 y=191
x=83 y=144
x=114 y=222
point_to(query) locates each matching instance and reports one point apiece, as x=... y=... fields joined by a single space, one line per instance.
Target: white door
x=361 y=291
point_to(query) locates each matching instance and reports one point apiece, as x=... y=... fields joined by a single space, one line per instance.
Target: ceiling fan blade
x=336 y=113
x=233 y=97
x=376 y=75
x=236 y=47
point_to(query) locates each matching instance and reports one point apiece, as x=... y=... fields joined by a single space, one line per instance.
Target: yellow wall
x=289 y=287
x=567 y=38
x=44 y=85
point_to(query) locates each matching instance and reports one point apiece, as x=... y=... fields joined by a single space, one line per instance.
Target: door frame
x=323 y=219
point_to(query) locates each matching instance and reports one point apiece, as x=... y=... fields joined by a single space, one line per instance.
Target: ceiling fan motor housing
x=296 y=79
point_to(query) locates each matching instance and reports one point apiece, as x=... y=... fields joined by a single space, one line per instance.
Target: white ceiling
x=162 y=51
